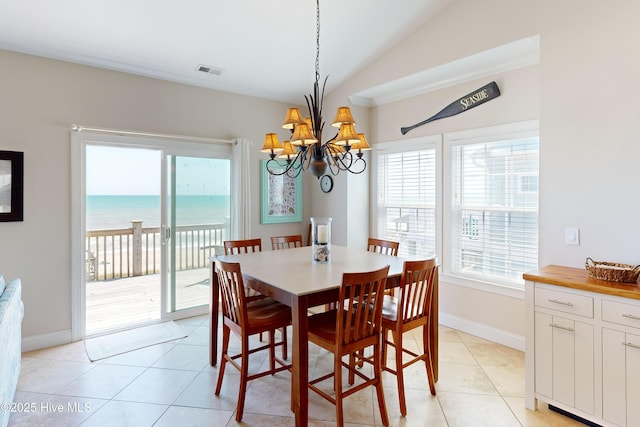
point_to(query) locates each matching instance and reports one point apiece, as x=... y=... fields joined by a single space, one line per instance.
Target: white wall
x=584 y=91
x=590 y=132
x=40 y=100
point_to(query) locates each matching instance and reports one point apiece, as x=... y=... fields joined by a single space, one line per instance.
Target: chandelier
x=305 y=150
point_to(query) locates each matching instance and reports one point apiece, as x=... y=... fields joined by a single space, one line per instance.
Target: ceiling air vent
x=209 y=70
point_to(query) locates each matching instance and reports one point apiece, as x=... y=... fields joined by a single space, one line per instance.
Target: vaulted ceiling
x=263 y=48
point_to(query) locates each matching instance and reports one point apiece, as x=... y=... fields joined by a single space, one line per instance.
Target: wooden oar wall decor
x=467 y=102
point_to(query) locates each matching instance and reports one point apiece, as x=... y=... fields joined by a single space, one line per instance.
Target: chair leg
x=397 y=340
x=284 y=343
x=223 y=362
x=429 y=359
x=361 y=360
x=337 y=385
x=352 y=366
x=379 y=392
x=244 y=373
x=384 y=347
x=272 y=350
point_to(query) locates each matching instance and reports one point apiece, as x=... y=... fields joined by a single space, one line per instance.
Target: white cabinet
x=583 y=346
x=564 y=362
x=621 y=363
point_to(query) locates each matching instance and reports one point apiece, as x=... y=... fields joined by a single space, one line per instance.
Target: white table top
x=293 y=271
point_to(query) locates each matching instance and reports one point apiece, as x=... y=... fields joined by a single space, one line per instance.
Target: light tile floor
x=171 y=384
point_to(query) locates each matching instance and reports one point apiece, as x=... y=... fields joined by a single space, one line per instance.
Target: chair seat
x=323 y=325
x=389 y=308
x=390 y=312
x=267 y=314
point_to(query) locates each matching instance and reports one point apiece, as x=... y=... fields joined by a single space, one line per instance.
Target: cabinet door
x=633 y=380
x=620 y=375
x=564 y=342
x=564 y=361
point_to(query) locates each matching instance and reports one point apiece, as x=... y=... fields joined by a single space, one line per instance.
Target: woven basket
x=611 y=271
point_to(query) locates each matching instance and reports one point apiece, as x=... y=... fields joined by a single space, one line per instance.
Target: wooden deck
x=114 y=304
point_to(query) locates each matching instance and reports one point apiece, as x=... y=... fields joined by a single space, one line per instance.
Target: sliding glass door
x=199 y=207
x=153 y=213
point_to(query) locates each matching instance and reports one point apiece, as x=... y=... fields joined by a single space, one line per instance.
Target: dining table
x=292 y=278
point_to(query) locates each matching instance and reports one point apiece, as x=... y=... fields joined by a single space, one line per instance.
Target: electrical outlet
x=572 y=236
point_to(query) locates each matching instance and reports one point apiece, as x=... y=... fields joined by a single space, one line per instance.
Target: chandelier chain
x=317 y=40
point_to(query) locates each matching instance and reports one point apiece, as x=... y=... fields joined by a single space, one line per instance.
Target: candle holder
x=321 y=240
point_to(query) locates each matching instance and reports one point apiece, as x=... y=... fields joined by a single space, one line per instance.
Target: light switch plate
x=572 y=236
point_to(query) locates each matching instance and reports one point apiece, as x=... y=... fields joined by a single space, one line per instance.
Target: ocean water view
x=113 y=212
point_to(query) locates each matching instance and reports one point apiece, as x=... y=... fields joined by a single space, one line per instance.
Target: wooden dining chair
x=286 y=242
x=348 y=330
x=245 y=319
x=386 y=247
x=411 y=310
x=233 y=247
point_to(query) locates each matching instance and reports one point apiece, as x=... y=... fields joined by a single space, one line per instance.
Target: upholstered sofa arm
x=11 y=314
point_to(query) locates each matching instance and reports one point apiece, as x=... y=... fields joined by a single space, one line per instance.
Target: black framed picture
x=11 y=185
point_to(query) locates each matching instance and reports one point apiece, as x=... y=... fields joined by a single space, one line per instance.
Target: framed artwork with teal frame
x=281 y=197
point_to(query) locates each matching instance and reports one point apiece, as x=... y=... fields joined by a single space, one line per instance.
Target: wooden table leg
x=300 y=362
x=213 y=316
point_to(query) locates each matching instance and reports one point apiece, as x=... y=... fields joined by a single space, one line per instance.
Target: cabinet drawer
x=621 y=313
x=564 y=301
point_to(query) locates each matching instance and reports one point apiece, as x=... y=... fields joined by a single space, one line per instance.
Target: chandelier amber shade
x=271 y=144
x=347 y=135
x=302 y=135
x=289 y=151
x=292 y=118
x=361 y=145
x=343 y=116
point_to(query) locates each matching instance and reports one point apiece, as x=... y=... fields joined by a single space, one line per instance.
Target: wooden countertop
x=578 y=278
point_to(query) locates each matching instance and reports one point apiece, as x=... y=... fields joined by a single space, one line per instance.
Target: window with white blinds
x=492 y=218
x=469 y=197
x=406 y=198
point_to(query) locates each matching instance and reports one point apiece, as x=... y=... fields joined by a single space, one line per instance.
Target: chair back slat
x=416 y=287
x=231 y=291
x=286 y=242
x=232 y=247
x=386 y=247
x=362 y=294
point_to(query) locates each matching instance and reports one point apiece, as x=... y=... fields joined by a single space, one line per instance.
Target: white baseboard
x=483 y=331
x=36 y=342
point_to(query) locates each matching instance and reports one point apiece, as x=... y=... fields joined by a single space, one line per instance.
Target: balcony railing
x=135 y=251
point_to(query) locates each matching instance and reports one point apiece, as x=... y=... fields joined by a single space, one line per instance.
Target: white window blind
x=406 y=199
x=493 y=218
